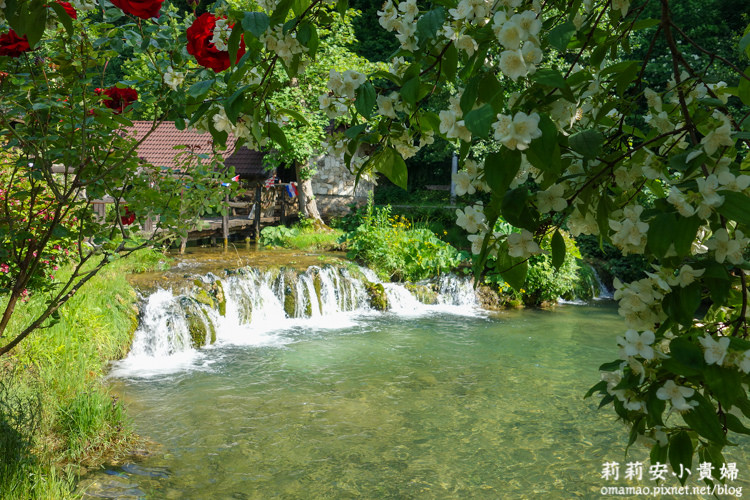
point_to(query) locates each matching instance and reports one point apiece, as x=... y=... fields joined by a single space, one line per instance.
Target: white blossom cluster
x=639 y=302
x=630 y=232
x=517 y=131
x=222 y=32
x=451 y=123
x=284 y=45
x=403 y=20
x=242 y=129
x=518 y=35
x=173 y=79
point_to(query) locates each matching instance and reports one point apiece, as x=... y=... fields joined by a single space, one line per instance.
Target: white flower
x=726 y=248
x=637 y=344
x=630 y=232
x=387 y=105
x=221 y=32
x=714 y=351
x=744 y=364
x=511 y=35
x=471 y=218
x=621 y=5
x=528 y=21
x=679 y=201
x=476 y=242
x=551 y=199
x=221 y=122
x=462 y=181
x=518 y=132
x=686 y=276
x=513 y=64
x=522 y=244
x=467 y=44
x=720 y=136
x=173 y=78
x=676 y=394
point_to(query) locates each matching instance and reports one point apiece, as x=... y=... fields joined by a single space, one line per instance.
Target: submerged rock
x=377 y=295
x=425 y=293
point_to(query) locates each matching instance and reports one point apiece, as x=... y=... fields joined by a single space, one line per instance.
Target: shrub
x=396 y=250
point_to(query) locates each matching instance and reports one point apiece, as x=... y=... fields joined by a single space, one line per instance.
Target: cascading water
x=257 y=307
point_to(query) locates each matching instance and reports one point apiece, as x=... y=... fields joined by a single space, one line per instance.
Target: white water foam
x=324 y=298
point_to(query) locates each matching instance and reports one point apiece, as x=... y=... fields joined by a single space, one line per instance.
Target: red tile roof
x=159 y=148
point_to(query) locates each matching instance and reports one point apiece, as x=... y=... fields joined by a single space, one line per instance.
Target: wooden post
x=225 y=222
x=183 y=244
x=258 y=194
x=283 y=209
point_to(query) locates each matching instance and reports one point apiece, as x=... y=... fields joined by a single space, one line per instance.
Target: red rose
x=68 y=8
x=128 y=217
x=119 y=99
x=145 y=9
x=199 y=37
x=12 y=45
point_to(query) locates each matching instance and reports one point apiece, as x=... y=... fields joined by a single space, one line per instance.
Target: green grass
x=56 y=416
x=301 y=237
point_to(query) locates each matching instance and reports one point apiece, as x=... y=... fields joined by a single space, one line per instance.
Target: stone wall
x=333 y=186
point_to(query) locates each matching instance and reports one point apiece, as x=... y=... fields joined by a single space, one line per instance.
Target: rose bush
x=145 y=9
x=119 y=98
x=12 y=45
x=202 y=42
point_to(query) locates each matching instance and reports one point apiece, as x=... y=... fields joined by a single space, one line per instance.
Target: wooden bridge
x=247 y=215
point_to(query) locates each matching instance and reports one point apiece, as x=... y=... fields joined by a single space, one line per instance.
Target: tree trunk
x=307 y=203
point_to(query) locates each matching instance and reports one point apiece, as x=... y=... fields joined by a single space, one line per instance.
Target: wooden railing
x=268 y=205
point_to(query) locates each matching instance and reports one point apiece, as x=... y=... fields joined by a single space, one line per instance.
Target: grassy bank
x=56 y=416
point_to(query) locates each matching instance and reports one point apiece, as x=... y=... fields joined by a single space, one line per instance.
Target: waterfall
x=254 y=307
x=603 y=292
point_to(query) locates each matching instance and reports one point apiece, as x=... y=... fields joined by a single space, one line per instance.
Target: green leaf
x=233 y=104
x=200 y=89
x=233 y=44
x=365 y=101
x=307 y=35
x=479 y=120
x=723 y=384
x=501 y=168
x=558 y=250
x=661 y=233
x=491 y=91
x=277 y=135
x=410 y=91
x=294 y=114
x=600 y=387
x=354 y=131
x=685 y=359
x=429 y=24
x=389 y=163
x=513 y=270
x=745 y=44
x=681 y=453
x=587 y=143
x=544 y=151
x=550 y=77
x=516 y=211
x=560 y=35
x=256 y=23
x=704 y=421
x=63 y=17
x=734 y=424
x=469 y=96
x=684 y=234
x=449 y=64
x=681 y=303
x=743 y=89
x=282 y=9
x=736 y=207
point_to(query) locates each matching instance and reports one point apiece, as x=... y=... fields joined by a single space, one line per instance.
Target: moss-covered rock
x=377 y=295
x=425 y=293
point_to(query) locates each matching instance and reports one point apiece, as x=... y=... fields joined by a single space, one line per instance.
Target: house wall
x=333 y=187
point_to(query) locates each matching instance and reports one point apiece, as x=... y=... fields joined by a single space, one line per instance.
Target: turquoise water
x=437 y=406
